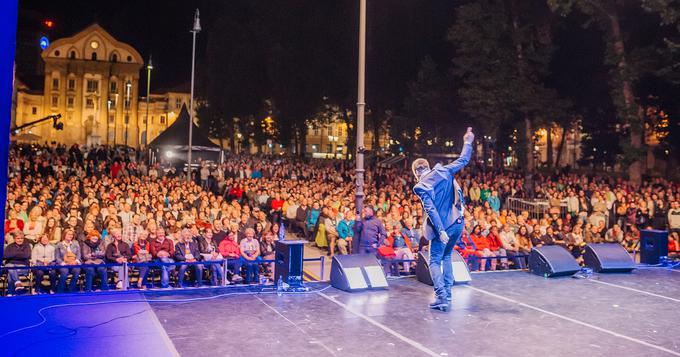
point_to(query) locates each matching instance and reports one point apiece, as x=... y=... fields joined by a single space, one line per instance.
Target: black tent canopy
x=177 y=136
x=175 y=139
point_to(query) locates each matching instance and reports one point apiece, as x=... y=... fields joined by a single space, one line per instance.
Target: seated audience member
x=267 y=251
x=536 y=237
x=346 y=232
x=186 y=250
x=549 y=237
x=250 y=255
x=631 y=242
x=118 y=252
x=411 y=234
x=141 y=254
x=467 y=249
x=67 y=253
x=43 y=255
x=17 y=254
x=402 y=246
x=673 y=245
x=162 y=250
x=614 y=235
x=511 y=246
x=483 y=252
x=496 y=246
x=13 y=222
x=230 y=250
x=574 y=241
x=210 y=252
x=93 y=253
x=386 y=254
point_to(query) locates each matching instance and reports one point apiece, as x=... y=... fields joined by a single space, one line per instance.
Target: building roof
x=176 y=136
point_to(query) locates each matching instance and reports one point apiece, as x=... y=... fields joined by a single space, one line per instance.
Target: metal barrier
x=155 y=264
x=536 y=208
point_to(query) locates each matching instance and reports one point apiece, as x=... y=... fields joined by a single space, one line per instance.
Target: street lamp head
x=149 y=66
x=197 y=22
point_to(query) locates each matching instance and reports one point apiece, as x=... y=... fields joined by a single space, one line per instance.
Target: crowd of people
x=75 y=215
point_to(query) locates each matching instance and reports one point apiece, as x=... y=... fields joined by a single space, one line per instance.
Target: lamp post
x=361 y=104
x=108 y=115
x=195 y=30
x=128 y=89
x=149 y=67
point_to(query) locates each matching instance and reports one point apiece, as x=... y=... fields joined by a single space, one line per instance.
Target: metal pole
x=360 y=117
x=128 y=88
x=149 y=67
x=194 y=31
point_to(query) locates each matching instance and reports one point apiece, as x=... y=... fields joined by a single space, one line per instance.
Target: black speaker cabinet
x=653 y=244
x=461 y=273
x=288 y=264
x=551 y=261
x=357 y=272
x=608 y=258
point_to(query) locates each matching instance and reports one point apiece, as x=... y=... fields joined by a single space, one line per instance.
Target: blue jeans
x=235 y=265
x=89 y=277
x=198 y=269
x=63 y=275
x=252 y=270
x=165 y=271
x=441 y=268
x=215 y=274
x=13 y=276
x=40 y=273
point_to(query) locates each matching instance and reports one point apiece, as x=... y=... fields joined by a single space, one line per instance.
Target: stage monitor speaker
x=461 y=273
x=653 y=245
x=608 y=258
x=288 y=264
x=551 y=261
x=357 y=272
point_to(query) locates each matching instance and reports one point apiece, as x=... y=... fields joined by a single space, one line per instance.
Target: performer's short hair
x=420 y=166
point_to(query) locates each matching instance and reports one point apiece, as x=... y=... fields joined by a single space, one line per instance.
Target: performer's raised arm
x=465 y=155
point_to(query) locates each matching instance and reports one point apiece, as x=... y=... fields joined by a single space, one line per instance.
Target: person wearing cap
x=442 y=201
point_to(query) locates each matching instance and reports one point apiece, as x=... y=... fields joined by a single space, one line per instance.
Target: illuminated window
x=55 y=101
x=162 y=119
x=71 y=84
x=89 y=103
x=55 y=83
x=92 y=85
x=34 y=110
x=70 y=101
x=114 y=87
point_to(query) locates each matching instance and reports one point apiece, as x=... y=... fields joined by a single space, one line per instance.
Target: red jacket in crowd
x=229 y=249
x=494 y=242
x=277 y=204
x=155 y=246
x=480 y=241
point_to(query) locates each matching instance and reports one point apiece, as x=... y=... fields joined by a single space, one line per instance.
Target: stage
x=498 y=314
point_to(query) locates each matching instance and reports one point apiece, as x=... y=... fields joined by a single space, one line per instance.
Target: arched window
x=114 y=58
x=94 y=56
x=129 y=58
x=56 y=53
x=72 y=55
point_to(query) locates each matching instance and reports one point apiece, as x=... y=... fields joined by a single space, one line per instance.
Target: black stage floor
x=498 y=314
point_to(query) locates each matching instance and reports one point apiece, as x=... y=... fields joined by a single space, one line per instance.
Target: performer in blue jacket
x=442 y=200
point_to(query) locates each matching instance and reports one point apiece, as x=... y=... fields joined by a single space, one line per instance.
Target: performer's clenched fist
x=469 y=136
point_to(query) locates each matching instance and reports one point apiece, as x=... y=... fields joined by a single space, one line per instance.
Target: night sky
x=159 y=28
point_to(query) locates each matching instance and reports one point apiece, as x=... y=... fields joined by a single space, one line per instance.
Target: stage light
x=48 y=23
x=169 y=154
